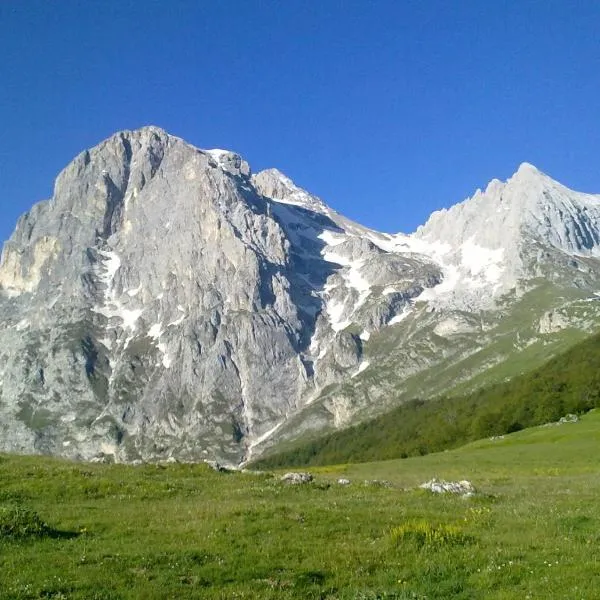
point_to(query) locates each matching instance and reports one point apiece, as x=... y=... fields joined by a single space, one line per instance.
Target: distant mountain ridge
x=168 y=303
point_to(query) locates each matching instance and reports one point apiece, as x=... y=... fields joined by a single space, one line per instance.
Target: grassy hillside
x=569 y=383
x=182 y=531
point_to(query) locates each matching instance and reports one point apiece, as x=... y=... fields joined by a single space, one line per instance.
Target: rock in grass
x=570 y=418
x=378 y=483
x=217 y=466
x=297 y=478
x=464 y=487
x=343 y=481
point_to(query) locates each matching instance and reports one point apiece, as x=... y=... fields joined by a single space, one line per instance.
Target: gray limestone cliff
x=167 y=303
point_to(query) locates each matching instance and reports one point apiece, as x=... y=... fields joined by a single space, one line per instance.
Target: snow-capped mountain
x=168 y=303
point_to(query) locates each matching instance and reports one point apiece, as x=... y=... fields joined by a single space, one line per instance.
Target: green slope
x=568 y=383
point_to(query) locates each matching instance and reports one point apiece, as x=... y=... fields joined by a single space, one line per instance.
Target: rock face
x=167 y=303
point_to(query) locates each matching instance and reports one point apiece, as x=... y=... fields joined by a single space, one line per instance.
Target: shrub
x=18 y=522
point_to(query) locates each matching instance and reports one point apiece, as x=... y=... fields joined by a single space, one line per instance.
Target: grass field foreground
x=82 y=531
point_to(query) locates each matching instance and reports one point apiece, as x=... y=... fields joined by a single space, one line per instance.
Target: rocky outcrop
x=296 y=478
x=462 y=488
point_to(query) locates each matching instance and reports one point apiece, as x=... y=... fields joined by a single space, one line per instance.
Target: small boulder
x=216 y=466
x=570 y=418
x=343 y=481
x=296 y=478
x=464 y=487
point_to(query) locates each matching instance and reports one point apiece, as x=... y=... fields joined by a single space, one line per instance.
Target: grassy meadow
x=70 y=530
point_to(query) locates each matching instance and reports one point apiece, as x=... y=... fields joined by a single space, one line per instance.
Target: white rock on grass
x=297 y=478
x=343 y=481
x=464 y=487
x=570 y=418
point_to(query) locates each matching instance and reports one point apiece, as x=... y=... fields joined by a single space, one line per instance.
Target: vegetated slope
x=184 y=531
x=569 y=383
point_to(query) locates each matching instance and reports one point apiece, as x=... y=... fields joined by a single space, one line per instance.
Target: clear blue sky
x=386 y=109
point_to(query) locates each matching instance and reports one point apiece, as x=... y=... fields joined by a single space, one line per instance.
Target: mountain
x=166 y=302
x=564 y=387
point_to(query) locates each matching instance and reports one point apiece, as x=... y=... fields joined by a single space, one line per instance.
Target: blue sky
x=388 y=110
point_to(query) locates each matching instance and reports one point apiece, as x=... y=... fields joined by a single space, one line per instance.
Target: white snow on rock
x=217 y=153
x=332 y=239
x=400 y=317
x=481 y=244
x=335 y=311
x=480 y=261
x=155 y=331
x=110 y=265
x=111 y=307
x=129 y=317
x=353 y=280
x=134 y=292
x=363 y=365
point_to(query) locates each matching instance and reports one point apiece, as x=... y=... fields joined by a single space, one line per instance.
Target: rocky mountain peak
x=168 y=302
x=166 y=294
x=526 y=169
x=273 y=184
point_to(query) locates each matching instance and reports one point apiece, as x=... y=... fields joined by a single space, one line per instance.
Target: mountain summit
x=166 y=302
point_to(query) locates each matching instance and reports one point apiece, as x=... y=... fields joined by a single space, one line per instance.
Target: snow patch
x=335 y=312
x=482 y=262
x=180 y=319
x=112 y=308
x=167 y=361
x=23 y=324
x=332 y=239
x=110 y=265
x=363 y=365
x=217 y=153
x=339 y=317
x=399 y=318
x=155 y=331
x=134 y=292
x=116 y=310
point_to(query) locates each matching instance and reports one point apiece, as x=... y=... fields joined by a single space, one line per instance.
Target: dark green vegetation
x=184 y=531
x=569 y=383
x=18 y=522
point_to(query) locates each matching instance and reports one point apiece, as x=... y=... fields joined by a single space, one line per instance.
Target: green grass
x=184 y=531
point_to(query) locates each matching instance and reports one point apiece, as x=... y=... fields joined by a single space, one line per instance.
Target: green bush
x=18 y=522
